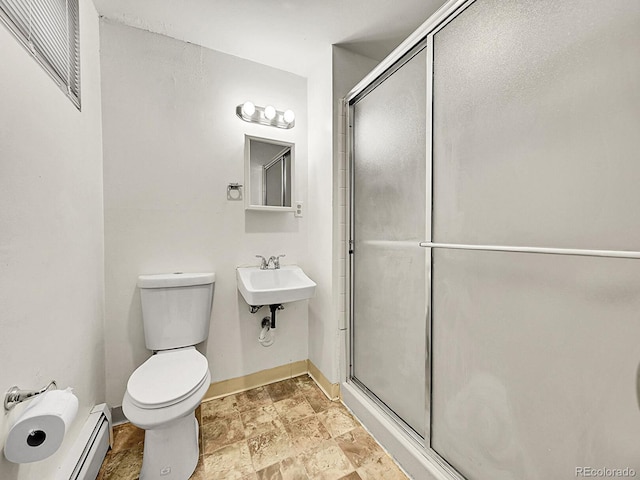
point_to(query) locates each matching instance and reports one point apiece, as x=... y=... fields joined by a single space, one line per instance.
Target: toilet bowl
x=161 y=398
x=163 y=393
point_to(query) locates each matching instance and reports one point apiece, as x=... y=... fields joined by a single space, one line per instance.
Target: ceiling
x=288 y=34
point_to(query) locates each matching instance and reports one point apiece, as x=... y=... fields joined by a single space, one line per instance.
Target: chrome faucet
x=266 y=264
x=263 y=262
x=276 y=261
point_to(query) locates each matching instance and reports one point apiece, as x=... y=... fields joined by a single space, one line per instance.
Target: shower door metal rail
x=349 y=103
x=412 y=46
x=541 y=250
x=420 y=39
x=424 y=35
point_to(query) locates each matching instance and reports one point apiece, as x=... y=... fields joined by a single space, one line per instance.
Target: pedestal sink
x=274 y=286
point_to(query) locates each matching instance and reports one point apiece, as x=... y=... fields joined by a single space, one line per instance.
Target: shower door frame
x=418 y=48
x=420 y=40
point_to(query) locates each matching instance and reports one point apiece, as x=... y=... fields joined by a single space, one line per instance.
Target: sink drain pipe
x=267 y=336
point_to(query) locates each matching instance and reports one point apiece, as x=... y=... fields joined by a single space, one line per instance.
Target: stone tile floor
x=288 y=430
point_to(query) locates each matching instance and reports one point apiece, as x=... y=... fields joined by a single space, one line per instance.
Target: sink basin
x=267 y=287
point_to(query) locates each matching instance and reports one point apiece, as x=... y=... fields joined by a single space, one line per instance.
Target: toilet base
x=171 y=452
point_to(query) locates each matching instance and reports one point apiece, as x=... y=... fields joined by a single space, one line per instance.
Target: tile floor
x=288 y=430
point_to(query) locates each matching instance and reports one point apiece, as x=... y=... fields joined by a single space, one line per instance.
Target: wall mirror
x=268 y=174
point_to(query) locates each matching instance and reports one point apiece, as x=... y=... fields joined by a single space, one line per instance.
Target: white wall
x=172 y=143
x=323 y=327
x=337 y=71
x=51 y=235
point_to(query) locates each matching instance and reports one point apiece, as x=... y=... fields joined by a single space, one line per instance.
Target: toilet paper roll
x=39 y=431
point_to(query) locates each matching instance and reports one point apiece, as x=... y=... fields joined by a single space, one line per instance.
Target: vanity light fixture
x=269 y=112
x=249 y=112
x=248 y=108
x=288 y=116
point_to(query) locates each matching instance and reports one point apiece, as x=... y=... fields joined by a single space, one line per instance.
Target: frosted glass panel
x=536 y=124
x=536 y=364
x=536 y=358
x=389 y=220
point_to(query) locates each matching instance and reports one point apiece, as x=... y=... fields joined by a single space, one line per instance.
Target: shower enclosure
x=495 y=239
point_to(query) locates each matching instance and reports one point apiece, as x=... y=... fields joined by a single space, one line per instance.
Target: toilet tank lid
x=179 y=279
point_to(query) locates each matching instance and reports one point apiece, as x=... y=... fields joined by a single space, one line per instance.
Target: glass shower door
x=536 y=357
x=389 y=219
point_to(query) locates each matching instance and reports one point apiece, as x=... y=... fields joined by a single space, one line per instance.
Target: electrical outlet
x=298 y=211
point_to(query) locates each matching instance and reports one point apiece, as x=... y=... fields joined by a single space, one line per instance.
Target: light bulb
x=248 y=108
x=289 y=116
x=269 y=112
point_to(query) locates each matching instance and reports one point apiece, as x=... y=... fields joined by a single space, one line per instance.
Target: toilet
x=163 y=393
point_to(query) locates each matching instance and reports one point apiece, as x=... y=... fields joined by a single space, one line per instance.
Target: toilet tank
x=176 y=308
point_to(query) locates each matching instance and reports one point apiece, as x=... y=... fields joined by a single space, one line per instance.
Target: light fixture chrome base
x=259 y=117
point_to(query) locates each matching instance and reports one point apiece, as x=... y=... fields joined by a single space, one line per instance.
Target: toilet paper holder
x=15 y=395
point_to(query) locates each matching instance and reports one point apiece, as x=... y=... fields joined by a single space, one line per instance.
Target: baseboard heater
x=85 y=458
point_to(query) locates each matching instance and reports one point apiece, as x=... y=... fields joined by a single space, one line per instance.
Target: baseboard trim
x=331 y=390
x=254 y=380
x=272 y=375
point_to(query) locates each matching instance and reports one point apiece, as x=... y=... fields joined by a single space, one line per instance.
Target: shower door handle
x=543 y=250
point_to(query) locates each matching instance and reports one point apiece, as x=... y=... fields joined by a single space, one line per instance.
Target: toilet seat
x=151 y=418
x=167 y=378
